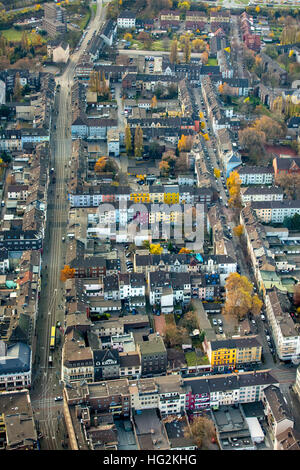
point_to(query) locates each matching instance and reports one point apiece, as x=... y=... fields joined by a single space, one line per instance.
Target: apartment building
x=16 y=363
x=106 y=364
x=179 y=283
x=77 y=359
x=91 y=267
x=153 y=355
x=233 y=353
x=132 y=285
x=222 y=265
x=169 y=18
x=54 y=21
x=262 y=194
x=286 y=336
x=256 y=175
x=195 y=20
x=11 y=140
x=277 y=412
x=226 y=389
x=164 y=393
x=113 y=142
x=276 y=211
x=164 y=262
x=171 y=394
x=130 y=365
x=120 y=326
x=126 y=20
x=17 y=423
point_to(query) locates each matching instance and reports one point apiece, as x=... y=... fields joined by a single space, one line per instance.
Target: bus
x=52 y=338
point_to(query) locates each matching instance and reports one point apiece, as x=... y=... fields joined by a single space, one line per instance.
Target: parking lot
x=223 y=325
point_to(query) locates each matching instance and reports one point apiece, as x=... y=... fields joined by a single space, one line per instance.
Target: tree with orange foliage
x=238 y=230
x=185 y=251
x=164 y=167
x=184 y=144
x=100 y=164
x=204 y=57
x=67 y=273
x=234 y=187
x=154 y=102
x=239 y=297
x=217 y=172
x=199 y=45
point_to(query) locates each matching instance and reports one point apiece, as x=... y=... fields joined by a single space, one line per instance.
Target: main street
x=46 y=377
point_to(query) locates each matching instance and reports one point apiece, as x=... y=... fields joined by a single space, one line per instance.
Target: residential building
x=16 y=364
x=286 y=165
x=287 y=440
x=276 y=211
x=233 y=353
x=262 y=194
x=106 y=364
x=286 y=336
x=126 y=20
x=54 y=21
x=179 y=283
x=17 y=424
x=256 y=175
x=170 y=18
x=232 y=429
x=113 y=142
x=277 y=412
x=153 y=356
x=77 y=359
x=130 y=365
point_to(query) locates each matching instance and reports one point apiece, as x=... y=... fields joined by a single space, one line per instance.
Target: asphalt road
x=46 y=378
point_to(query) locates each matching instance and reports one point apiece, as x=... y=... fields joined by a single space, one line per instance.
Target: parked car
x=220 y=329
x=58 y=398
x=220 y=322
x=215 y=323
